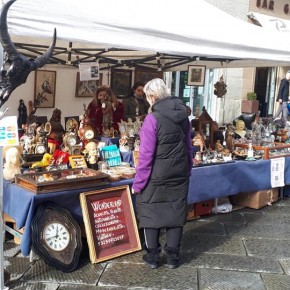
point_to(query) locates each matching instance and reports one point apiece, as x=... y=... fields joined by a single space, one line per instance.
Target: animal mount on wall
x=16 y=67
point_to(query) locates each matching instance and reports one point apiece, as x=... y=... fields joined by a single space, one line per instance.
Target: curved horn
x=5 y=39
x=43 y=59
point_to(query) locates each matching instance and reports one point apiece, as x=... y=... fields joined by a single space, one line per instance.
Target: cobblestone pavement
x=245 y=249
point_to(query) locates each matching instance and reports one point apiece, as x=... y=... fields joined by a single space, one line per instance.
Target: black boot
x=152 y=258
x=172 y=257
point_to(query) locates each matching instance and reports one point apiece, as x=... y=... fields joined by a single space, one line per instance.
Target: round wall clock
x=56 y=237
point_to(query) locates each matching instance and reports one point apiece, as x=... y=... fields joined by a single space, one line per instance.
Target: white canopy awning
x=187 y=29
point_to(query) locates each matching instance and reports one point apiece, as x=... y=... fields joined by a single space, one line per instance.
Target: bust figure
x=12 y=163
x=92 y=149
x=240 y=131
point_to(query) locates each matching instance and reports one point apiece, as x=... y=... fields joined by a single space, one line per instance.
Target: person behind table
x=162 y=175
x=282 y=98
x=240 y=131
x=94 y=109
x=135 y=104
x=118 y=109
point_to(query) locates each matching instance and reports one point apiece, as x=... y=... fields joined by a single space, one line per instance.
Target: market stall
x=206 y=182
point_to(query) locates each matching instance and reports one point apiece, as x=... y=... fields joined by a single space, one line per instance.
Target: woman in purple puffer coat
x=162 y=176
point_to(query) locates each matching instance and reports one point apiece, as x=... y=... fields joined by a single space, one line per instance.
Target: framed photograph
x=86 y=89
x=196 y=75
x=144 y=76
x=44 y=89
x=121 y=82
x=110 y=223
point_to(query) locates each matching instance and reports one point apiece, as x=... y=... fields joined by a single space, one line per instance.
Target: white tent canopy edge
x=191 y=28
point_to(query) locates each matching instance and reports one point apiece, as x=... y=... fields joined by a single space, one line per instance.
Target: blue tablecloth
x=207 y=182
x=21 y=205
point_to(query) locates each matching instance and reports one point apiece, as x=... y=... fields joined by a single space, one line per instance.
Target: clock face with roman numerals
x=56 y=236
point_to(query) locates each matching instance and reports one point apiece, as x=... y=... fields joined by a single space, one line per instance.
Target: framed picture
x=44 y=89
x=86 y=89
x=121 y=82
x=72 y=121
x=144 y=76
x=77 y=161
x=196 y=75
x=110 y=223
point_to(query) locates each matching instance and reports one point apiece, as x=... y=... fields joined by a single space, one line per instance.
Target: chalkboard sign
x=109 y=223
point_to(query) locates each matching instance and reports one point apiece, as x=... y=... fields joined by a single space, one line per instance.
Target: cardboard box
x=257 y=199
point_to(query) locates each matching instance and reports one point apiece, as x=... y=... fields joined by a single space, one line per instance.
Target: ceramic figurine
x=12 y=163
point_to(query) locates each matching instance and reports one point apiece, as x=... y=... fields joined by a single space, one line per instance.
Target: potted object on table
x=251 y=104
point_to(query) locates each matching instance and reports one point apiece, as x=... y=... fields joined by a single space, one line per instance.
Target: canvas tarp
x=193 y=29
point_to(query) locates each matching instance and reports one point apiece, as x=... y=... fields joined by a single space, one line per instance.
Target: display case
x=51 y=181
x=267 y=150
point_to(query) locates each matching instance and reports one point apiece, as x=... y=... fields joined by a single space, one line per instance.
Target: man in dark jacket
x=283 y=98
x=162 y=176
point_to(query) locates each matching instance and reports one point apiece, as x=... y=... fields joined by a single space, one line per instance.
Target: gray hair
x=156 y=88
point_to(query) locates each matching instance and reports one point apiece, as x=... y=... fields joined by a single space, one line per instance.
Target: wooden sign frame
x=77 y=161
x=110 y=223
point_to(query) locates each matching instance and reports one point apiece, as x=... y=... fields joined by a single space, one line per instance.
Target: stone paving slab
x=86 y=273
x=32 y=286
x=236 y=218
x=273 y=248
x=276 y=282
x=264 y=218
x=285 y=263
x=259 y=231
x=10 y=249
x=229 y=280
x=87 y=287
x=133 y=276
x=17 y=267
x=277 y=209
x=231 y=262
x=205 y=227
x=213 y=244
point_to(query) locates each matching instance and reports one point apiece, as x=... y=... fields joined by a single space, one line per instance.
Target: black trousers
x=173 y=237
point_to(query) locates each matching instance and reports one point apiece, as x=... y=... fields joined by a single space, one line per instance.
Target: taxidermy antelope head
x=16 y=67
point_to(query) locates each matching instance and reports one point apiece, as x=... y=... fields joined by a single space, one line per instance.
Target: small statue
x=47 y=159
x=12 y=164
x=230 y=133
x=22 y=114
x=92 y=149
x=240 y=131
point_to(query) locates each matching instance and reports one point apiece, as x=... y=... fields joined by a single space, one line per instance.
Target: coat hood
x=171 y=108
